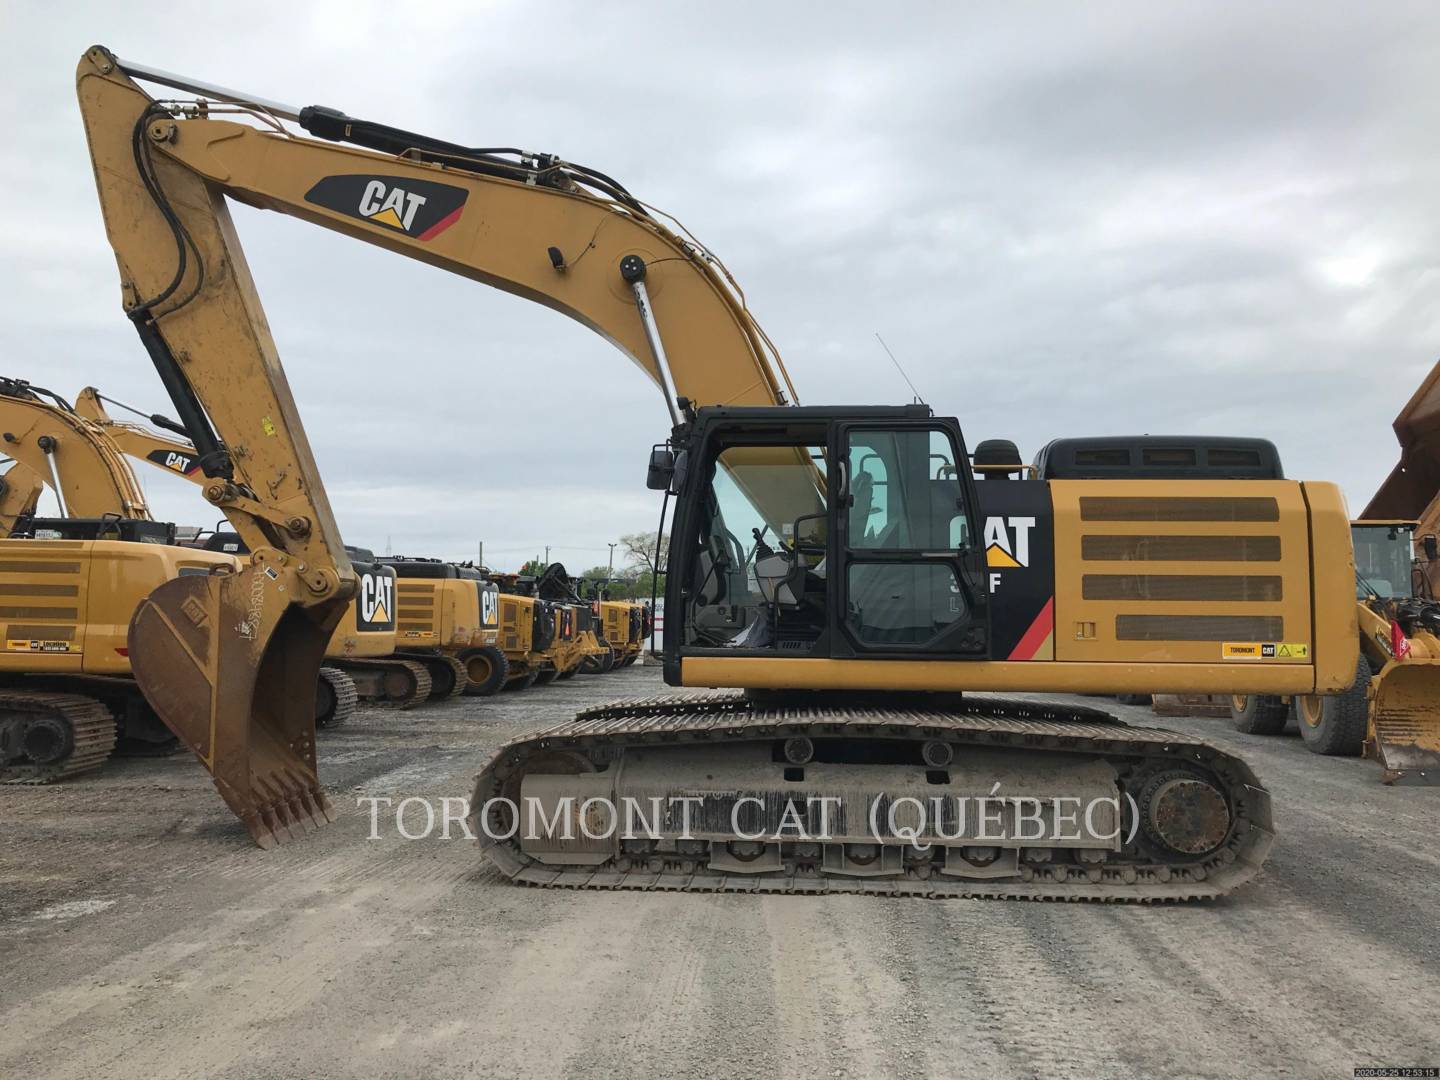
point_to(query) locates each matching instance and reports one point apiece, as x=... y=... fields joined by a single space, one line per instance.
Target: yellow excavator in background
x=91 y=479
x=68 y=587
x=831 y=560
x=449 y=618
x=366 y=644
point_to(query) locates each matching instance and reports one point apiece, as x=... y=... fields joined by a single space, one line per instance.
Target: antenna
x=918 y=399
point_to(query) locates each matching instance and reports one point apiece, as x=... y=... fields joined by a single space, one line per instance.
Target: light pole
x=611 y=572
x=547 y=554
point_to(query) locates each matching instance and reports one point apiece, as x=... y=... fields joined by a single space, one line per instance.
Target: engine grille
x=1203 y=568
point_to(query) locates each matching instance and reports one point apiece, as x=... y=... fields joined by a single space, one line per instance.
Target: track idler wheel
x=230 y=664
x=46 y=740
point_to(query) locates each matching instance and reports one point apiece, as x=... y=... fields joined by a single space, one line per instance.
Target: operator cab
x=1385 y=565
x=825 y=533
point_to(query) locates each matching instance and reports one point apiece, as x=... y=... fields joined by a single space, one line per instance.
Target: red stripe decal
x=1040 y=629
x=443 y=224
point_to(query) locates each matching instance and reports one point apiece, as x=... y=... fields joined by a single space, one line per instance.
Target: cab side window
x=905 y=492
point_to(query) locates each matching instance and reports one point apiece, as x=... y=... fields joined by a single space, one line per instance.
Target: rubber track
x=346 y=696
x=711 y=717
x=91 y=723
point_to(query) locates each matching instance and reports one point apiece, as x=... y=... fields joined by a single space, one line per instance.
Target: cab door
x=906 y=542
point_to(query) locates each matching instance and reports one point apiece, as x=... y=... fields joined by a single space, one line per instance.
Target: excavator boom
x=58 y=446
x=230 y=663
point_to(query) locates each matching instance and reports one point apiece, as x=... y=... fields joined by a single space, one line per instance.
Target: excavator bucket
x=230 y=664
x=1405 y=720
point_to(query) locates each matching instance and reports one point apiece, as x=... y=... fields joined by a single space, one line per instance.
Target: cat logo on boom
x=421 y=209
x=184 y=464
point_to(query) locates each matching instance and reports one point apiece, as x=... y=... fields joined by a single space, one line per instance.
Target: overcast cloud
x=1065 y=220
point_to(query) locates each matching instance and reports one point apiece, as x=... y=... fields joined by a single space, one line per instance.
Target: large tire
x=607 y=660
x=335 y=698
x=486 y=670
x=522 y=682
x=569 y=674
x=1335 y=725
x=546 y=677
x=1258 y=714
x=447 y=677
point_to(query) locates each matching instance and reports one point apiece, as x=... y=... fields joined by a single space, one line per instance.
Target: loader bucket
x=230 y=665
x=1405 y=720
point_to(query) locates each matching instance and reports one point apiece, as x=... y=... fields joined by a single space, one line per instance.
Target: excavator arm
x=173 y=452
x=229 y=662
x=20 y=488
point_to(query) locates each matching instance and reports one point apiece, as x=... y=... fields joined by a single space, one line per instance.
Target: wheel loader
x=583 y=648
x=620 y=623
x=1392 y=711
x=530 y=629
x=828 y=564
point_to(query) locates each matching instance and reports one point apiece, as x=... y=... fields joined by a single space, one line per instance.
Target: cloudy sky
x=1065 y=220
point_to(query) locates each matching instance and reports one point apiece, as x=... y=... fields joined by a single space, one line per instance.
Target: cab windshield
x=1383 y=561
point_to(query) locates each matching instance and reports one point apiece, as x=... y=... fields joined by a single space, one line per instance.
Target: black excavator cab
x=823 y=532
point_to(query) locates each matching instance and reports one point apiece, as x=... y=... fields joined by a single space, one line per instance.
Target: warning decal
x=1264 y=650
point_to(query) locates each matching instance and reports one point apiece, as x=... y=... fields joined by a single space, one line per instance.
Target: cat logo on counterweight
x=421 y=209
x=376 y=602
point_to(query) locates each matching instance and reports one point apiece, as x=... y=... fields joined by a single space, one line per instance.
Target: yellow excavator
x=387 y=645
x=68 y=586
x=449 y=618
x=829 y=560
x=93 y=481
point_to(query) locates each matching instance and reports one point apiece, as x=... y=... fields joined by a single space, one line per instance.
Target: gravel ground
x=143 y=936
